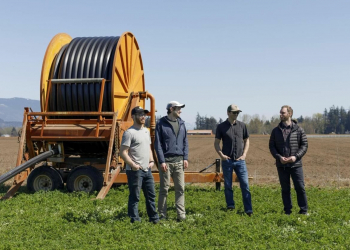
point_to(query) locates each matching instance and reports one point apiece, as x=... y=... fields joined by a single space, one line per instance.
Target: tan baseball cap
x=233 y=107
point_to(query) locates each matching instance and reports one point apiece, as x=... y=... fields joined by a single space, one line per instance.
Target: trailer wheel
x=87 y=179
x=44 y=178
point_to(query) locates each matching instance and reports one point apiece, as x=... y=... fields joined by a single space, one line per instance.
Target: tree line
x=333 y=120
x=9 y=131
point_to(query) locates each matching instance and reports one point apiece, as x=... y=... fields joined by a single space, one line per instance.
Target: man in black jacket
x=288 y=144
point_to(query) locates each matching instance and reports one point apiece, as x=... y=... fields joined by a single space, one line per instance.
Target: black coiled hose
x=83 y=57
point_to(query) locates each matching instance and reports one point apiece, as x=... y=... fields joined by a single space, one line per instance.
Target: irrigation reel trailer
x=89 y=85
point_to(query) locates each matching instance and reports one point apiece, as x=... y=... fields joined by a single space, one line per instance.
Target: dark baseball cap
x=139 y=110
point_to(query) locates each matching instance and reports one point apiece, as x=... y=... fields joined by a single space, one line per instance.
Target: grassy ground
x=59 y=220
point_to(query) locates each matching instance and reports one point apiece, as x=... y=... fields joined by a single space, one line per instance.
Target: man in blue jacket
x=171 y=146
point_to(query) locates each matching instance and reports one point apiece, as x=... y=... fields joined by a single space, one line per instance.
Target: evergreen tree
x=300 y=119
x=205 y=123
x=347 y=123
x=14 y=132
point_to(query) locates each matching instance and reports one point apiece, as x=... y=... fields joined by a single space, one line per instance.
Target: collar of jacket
x=164 y=119
x=293 y=127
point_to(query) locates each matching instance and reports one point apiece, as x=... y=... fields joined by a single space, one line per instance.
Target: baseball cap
x=233 y=107
x=139 y=110
x=174 y=104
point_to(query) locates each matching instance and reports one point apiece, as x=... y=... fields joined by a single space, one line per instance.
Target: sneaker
x=304 y=213
x=155 y=221
x=249 y=214
x=180 y=219
x=163 y=218
x=230 y=208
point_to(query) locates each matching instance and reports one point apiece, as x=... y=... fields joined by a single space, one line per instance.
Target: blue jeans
x=240 y=169
x=137 y=180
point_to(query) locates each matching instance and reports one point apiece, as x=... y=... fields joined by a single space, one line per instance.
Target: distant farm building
x=199 y=132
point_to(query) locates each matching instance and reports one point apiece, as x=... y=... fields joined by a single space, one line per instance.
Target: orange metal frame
x=46 y=129
x=190 y=177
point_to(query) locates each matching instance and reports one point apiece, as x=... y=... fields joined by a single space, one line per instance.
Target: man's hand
x=224 y=157
x=284 y=160
x=292 y=159
x=185 y=164
x=164 y=167
x=242 y=158
x=151 y=164
x=135 y=167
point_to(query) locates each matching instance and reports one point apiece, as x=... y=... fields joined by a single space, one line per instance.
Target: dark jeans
x=241 y=171
x=298 y=181
x=137 y=180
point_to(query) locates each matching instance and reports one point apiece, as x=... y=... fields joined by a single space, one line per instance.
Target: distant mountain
x=11 y=109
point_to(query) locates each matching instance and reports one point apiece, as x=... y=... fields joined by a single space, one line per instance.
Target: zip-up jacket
x=297 y=143
x=167 y=144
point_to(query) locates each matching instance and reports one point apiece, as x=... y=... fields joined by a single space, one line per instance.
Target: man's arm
x=303 y=145
x=273 y=149
x=158 y=148
x=158 y=145
x=125 y=156
x=218 y=150
x=302 y=148
x=151 y=160
x=185 y=149
x=272 y=146
x=245 y=150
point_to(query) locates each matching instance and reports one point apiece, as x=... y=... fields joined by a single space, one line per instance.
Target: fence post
x=218 y=170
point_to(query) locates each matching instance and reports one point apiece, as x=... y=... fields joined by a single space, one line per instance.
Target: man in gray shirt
x=137 y=154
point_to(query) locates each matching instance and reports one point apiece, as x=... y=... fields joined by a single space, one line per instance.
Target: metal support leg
x=218 y=170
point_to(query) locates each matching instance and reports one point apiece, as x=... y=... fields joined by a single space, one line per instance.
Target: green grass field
x=60 y=220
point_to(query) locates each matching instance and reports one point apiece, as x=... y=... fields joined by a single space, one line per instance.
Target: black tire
x=86 y=178
x=44 y=178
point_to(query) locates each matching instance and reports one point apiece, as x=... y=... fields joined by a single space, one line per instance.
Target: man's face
x=232 y=114
x=284 y=115
x=140 y=118
x=176 y=111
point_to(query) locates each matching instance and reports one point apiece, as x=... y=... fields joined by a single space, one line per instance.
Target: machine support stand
x=218 y=170
x=107 y=183
x=19 y=179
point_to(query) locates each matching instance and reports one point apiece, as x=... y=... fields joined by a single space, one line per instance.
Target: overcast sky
x=258 y=54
